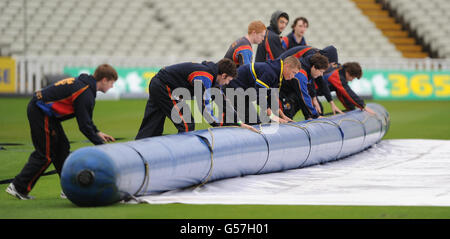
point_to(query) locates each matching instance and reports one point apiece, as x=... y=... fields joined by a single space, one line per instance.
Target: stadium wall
x=383 y=78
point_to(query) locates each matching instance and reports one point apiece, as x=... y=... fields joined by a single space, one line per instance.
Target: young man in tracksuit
x=162 y=103
x=338 y=79
x=270 y=75
x=271 y=48
x=294 y=96
x=241 y=51
x=65 y=99
x=314 y=62
x=296 y=37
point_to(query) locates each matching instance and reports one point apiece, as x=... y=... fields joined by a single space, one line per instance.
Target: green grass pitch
x=416 y=119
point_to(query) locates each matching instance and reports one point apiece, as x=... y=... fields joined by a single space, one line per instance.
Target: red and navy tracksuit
x=161 y=100
x=304 y=53
x=338 y=83
x=297 y=94
x=270 y=48
x=299 y=52
x=290 y=41
x=68 y=98
x=316 y=84
x=240 y=52
x=265 y=75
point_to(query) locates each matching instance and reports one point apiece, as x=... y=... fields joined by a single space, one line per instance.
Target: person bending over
x=65 y=99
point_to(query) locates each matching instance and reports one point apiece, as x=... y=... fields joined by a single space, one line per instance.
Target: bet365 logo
x=409 y=84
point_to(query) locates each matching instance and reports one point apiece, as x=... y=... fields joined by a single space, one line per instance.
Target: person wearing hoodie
x=313 y=67
x=270 y=75
x=241 y=52
x=65 y=99
x=162 y=103
x=296 y=37
x=271 y=48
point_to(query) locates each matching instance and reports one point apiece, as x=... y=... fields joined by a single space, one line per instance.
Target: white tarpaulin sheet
x=392 y=172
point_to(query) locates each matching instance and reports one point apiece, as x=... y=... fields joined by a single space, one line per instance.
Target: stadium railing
x=30 y=70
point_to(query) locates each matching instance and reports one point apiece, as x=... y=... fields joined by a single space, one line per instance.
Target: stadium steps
x=391 y=29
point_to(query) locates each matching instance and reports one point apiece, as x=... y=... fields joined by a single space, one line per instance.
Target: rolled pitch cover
x=105 y=174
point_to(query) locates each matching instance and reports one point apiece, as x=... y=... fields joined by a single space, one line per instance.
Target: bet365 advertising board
x=380 y=84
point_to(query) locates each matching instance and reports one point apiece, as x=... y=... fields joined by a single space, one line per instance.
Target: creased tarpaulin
x=392 y=172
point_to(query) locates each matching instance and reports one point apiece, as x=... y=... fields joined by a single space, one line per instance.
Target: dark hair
x=227 y=66
x=274 y=20
x=298 y=19
x=105 y=71
x=319 y=61
x=353 y=69
x=285 y=15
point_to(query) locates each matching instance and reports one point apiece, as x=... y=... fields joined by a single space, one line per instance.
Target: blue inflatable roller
x=105 y=174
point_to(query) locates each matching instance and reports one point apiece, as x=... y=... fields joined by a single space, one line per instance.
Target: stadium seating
x=173 y=28
x=429 y=19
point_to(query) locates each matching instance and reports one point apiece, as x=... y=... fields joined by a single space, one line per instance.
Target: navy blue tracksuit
x=297 y=94
x=270 y=48
x=68 y=98
x=304 y=53
x=294 y=96
x=240 y=52
x=290 y=41
x=299 y=52
x=266 y=75
x=161 y=101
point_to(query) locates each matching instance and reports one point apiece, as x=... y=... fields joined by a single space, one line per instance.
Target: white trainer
x=63 y=195
x=12 y=191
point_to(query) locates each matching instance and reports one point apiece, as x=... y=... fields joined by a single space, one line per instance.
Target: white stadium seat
x=204 y=28
x=429 y=19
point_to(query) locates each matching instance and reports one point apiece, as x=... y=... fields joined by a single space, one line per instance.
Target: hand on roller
x=316 y=105
x=335 y=108
x=282 y=119
x=246 y=126
x=277 y=119
x=283 y=116
x=106 y=137
x=369 y=110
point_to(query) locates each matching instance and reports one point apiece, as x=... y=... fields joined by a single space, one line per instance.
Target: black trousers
x=250 y=115
x=160 y=104
x=246 y=112
x=50 y=146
